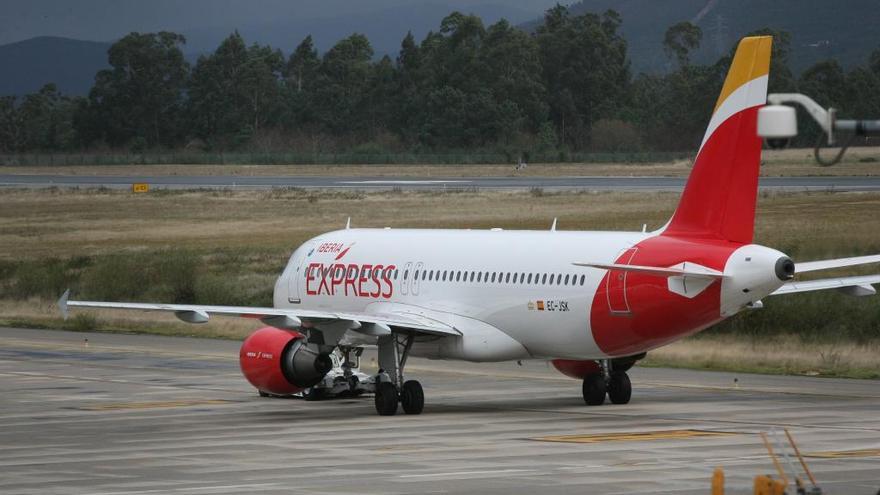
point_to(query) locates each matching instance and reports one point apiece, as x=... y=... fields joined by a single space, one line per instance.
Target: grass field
x=862 y=161
x=227 y=247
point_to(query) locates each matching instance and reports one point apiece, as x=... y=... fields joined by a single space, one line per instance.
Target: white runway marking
x=492 y=472
x=405 y=182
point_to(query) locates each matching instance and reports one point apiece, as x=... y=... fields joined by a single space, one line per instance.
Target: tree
x=511 y=70
x=235 y=91
x=302 y=66
x=343 y=88
x=141 y=95
x=680 y=40
x=585 y=67
x=47 y=117
x=11 y=125
x=408 y=102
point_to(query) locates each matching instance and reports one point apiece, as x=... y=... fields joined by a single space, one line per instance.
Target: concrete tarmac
x=131 y=414
x=410 y=183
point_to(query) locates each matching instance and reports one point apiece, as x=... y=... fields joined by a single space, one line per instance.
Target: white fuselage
x=516 y=292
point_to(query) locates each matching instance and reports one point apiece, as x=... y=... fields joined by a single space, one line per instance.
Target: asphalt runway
x=130 y=414
x=385 y=183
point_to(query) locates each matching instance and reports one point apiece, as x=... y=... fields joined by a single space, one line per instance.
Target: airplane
x=591 y=303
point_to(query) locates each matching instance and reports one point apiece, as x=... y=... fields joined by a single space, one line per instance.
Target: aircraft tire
x=594 y=389
x=619 y=388
x=412 y=397
x=386 y=399
x=312 y=394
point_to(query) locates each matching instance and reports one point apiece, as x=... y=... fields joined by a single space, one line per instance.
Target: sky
x=107 y=20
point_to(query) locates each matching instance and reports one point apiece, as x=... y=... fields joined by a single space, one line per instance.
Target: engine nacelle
x=279 y=361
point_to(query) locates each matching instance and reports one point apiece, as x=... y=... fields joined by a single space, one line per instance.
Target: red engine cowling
x=576 y=369
x=279 y=362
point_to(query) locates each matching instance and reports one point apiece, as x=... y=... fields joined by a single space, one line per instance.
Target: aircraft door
x=416 y=277
x=296 y=277
x=406 y=277
x=615 y=285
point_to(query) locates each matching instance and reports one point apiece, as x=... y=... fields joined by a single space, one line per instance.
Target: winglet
x=62 y=304
x=553 y=227
x=348 y=223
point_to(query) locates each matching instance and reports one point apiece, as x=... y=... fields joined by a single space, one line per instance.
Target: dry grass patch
x=790 y=162
x=778 y=355
x=239 y=241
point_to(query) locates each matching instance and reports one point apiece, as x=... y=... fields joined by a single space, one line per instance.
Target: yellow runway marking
x=153 y=405
x=636 y=437
x=834 y=454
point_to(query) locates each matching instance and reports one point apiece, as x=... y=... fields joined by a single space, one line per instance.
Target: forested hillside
x=568 y=86
x=820 y=29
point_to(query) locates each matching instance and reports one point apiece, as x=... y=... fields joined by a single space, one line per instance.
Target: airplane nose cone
x=784 y=268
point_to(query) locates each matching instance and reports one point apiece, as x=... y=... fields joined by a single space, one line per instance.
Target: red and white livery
x=592 y=302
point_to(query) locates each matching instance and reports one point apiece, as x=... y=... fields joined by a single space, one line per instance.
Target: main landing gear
x=391 y=388
x=613 y=383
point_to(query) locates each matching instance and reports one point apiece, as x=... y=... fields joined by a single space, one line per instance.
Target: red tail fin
x=719 y=198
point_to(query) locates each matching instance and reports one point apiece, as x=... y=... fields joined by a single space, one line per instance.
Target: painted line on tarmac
x=636 y=436
x=122 y=406
x=482 y=474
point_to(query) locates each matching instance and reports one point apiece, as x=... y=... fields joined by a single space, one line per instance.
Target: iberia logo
x=344 y=251
x=351 y=279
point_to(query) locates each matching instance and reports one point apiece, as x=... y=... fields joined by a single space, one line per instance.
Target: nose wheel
x=615 y=384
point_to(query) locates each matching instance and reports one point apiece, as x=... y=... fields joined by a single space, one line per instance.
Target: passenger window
x=507 y=278
x=551 y=279
x=493 y=277
x=544 y=279
x=480 y=277
x=582 y=279
x=472 y=276
x=566 y=280
x=457 y=276
x=405 y=274
x=416 y=275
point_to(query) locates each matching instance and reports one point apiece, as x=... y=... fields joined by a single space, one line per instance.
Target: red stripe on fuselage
x=634 y=312
x=657 y=316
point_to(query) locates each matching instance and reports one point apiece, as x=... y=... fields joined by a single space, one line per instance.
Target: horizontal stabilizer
x=682 y=269
x=854 y=286
x=812 y=266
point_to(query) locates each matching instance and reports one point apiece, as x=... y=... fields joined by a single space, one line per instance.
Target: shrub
x=167 y=276
x=81 y=322
x=46 y=278
x=614 y=135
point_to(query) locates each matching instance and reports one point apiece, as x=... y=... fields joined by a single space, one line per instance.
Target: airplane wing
x=855 y=286
x=812 y=266
x=372 y=324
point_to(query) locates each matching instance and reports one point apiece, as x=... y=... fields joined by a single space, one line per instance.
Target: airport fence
x=295 y=158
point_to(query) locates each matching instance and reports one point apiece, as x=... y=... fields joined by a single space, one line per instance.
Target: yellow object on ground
x=718 y=481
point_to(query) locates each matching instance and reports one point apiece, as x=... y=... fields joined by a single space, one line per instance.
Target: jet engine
x=279 y=361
